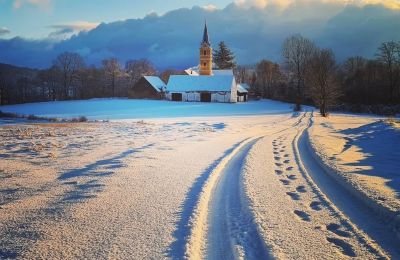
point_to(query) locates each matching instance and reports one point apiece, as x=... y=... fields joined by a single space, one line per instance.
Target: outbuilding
x=149 y=87
x=242 y=92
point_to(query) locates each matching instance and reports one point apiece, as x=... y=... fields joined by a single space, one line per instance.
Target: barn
x=217 y=88
x=148 y=87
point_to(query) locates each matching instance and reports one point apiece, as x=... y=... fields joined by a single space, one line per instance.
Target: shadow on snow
x=379 y=143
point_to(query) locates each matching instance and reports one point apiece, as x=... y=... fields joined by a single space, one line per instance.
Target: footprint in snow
x=286 y=156
x=316 y=205
x=291 y=177
x=302 y=215
x=276 y=153
x=338 y=230
x=278 y=172
x=289 y=168
x=301 y=189
x=285 y=182
x=278 y=164
x=282 y=151
x=286 y=161
x=345 y=247
x=293 y=195
x=277 y=158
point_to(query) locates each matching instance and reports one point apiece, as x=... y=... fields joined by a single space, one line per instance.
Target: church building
x=203 y=84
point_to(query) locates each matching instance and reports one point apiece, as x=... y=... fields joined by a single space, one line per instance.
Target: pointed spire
x=205 y=35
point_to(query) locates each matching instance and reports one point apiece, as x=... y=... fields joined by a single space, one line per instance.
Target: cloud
x=4 y=31
x=64 y=31
x=172 y=40
x=44 y=4
x=210 y=8
x=283 y=4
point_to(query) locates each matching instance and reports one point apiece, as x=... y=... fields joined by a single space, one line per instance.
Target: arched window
x=205 y=52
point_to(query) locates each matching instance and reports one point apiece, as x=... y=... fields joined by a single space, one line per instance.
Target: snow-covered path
x=294 y=216
x=353 y=207
x=232 y=234
x=215 y=188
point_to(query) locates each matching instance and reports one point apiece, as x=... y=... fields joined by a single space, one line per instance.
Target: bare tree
x=112 y=71
x=69 y=64
x=241 y=74
x=389 y=55
x=322 y=76
x=139 y=68
x=268 y=77
x=297 y=52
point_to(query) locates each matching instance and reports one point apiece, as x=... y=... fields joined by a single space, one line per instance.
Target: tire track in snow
x=232 y=233
x=314 y=177
x=196 y=246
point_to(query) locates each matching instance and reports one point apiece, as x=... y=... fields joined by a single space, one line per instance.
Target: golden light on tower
x=206 y=59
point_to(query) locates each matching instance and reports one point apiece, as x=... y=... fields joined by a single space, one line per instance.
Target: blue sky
x=253 y=29
x=35 y=18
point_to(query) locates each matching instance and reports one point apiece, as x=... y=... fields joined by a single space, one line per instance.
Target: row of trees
x=307 y=75
x=70 y=78
x=311 y=75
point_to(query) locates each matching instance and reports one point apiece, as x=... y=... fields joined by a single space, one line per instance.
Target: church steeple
x=205 y=35
x=206 y=59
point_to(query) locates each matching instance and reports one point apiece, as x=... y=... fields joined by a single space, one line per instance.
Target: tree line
x=311 y=75
x=307 y=75
x=70 y=78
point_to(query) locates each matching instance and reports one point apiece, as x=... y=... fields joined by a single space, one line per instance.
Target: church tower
x=206 y=59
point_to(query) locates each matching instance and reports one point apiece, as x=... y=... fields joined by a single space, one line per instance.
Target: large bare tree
x=268 y=76
x=112 y=72
x=322 y=77
x=139 y=68
x=69 y=64
x=389 y=55
x=297 y=52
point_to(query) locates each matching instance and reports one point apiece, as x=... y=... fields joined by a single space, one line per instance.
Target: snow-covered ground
x=137 y=109
x=217 y=187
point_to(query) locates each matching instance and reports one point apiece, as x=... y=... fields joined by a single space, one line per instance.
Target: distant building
x=242 y=92
x=202 y=83
x=148 y=87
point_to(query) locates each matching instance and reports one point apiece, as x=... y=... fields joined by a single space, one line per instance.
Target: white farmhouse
x=217 y=88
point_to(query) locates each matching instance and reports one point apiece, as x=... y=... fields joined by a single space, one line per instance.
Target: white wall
x=234 y=91
x=215 y=97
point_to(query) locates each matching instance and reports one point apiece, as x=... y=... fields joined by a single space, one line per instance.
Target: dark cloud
x=172 y=40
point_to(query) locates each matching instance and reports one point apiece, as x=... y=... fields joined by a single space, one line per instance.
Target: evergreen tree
x=223 y=57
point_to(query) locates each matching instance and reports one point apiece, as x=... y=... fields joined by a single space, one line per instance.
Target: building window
x=205 y=64
x=205 y=52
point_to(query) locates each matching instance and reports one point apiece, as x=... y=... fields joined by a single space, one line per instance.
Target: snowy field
x=104 y=109
x=262 y=183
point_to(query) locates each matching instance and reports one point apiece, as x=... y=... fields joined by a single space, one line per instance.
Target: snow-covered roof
x=182 y=83
x=194 y=71
x=223 y=72
x=245 y=85
x=241 y=88
x=155 y=82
